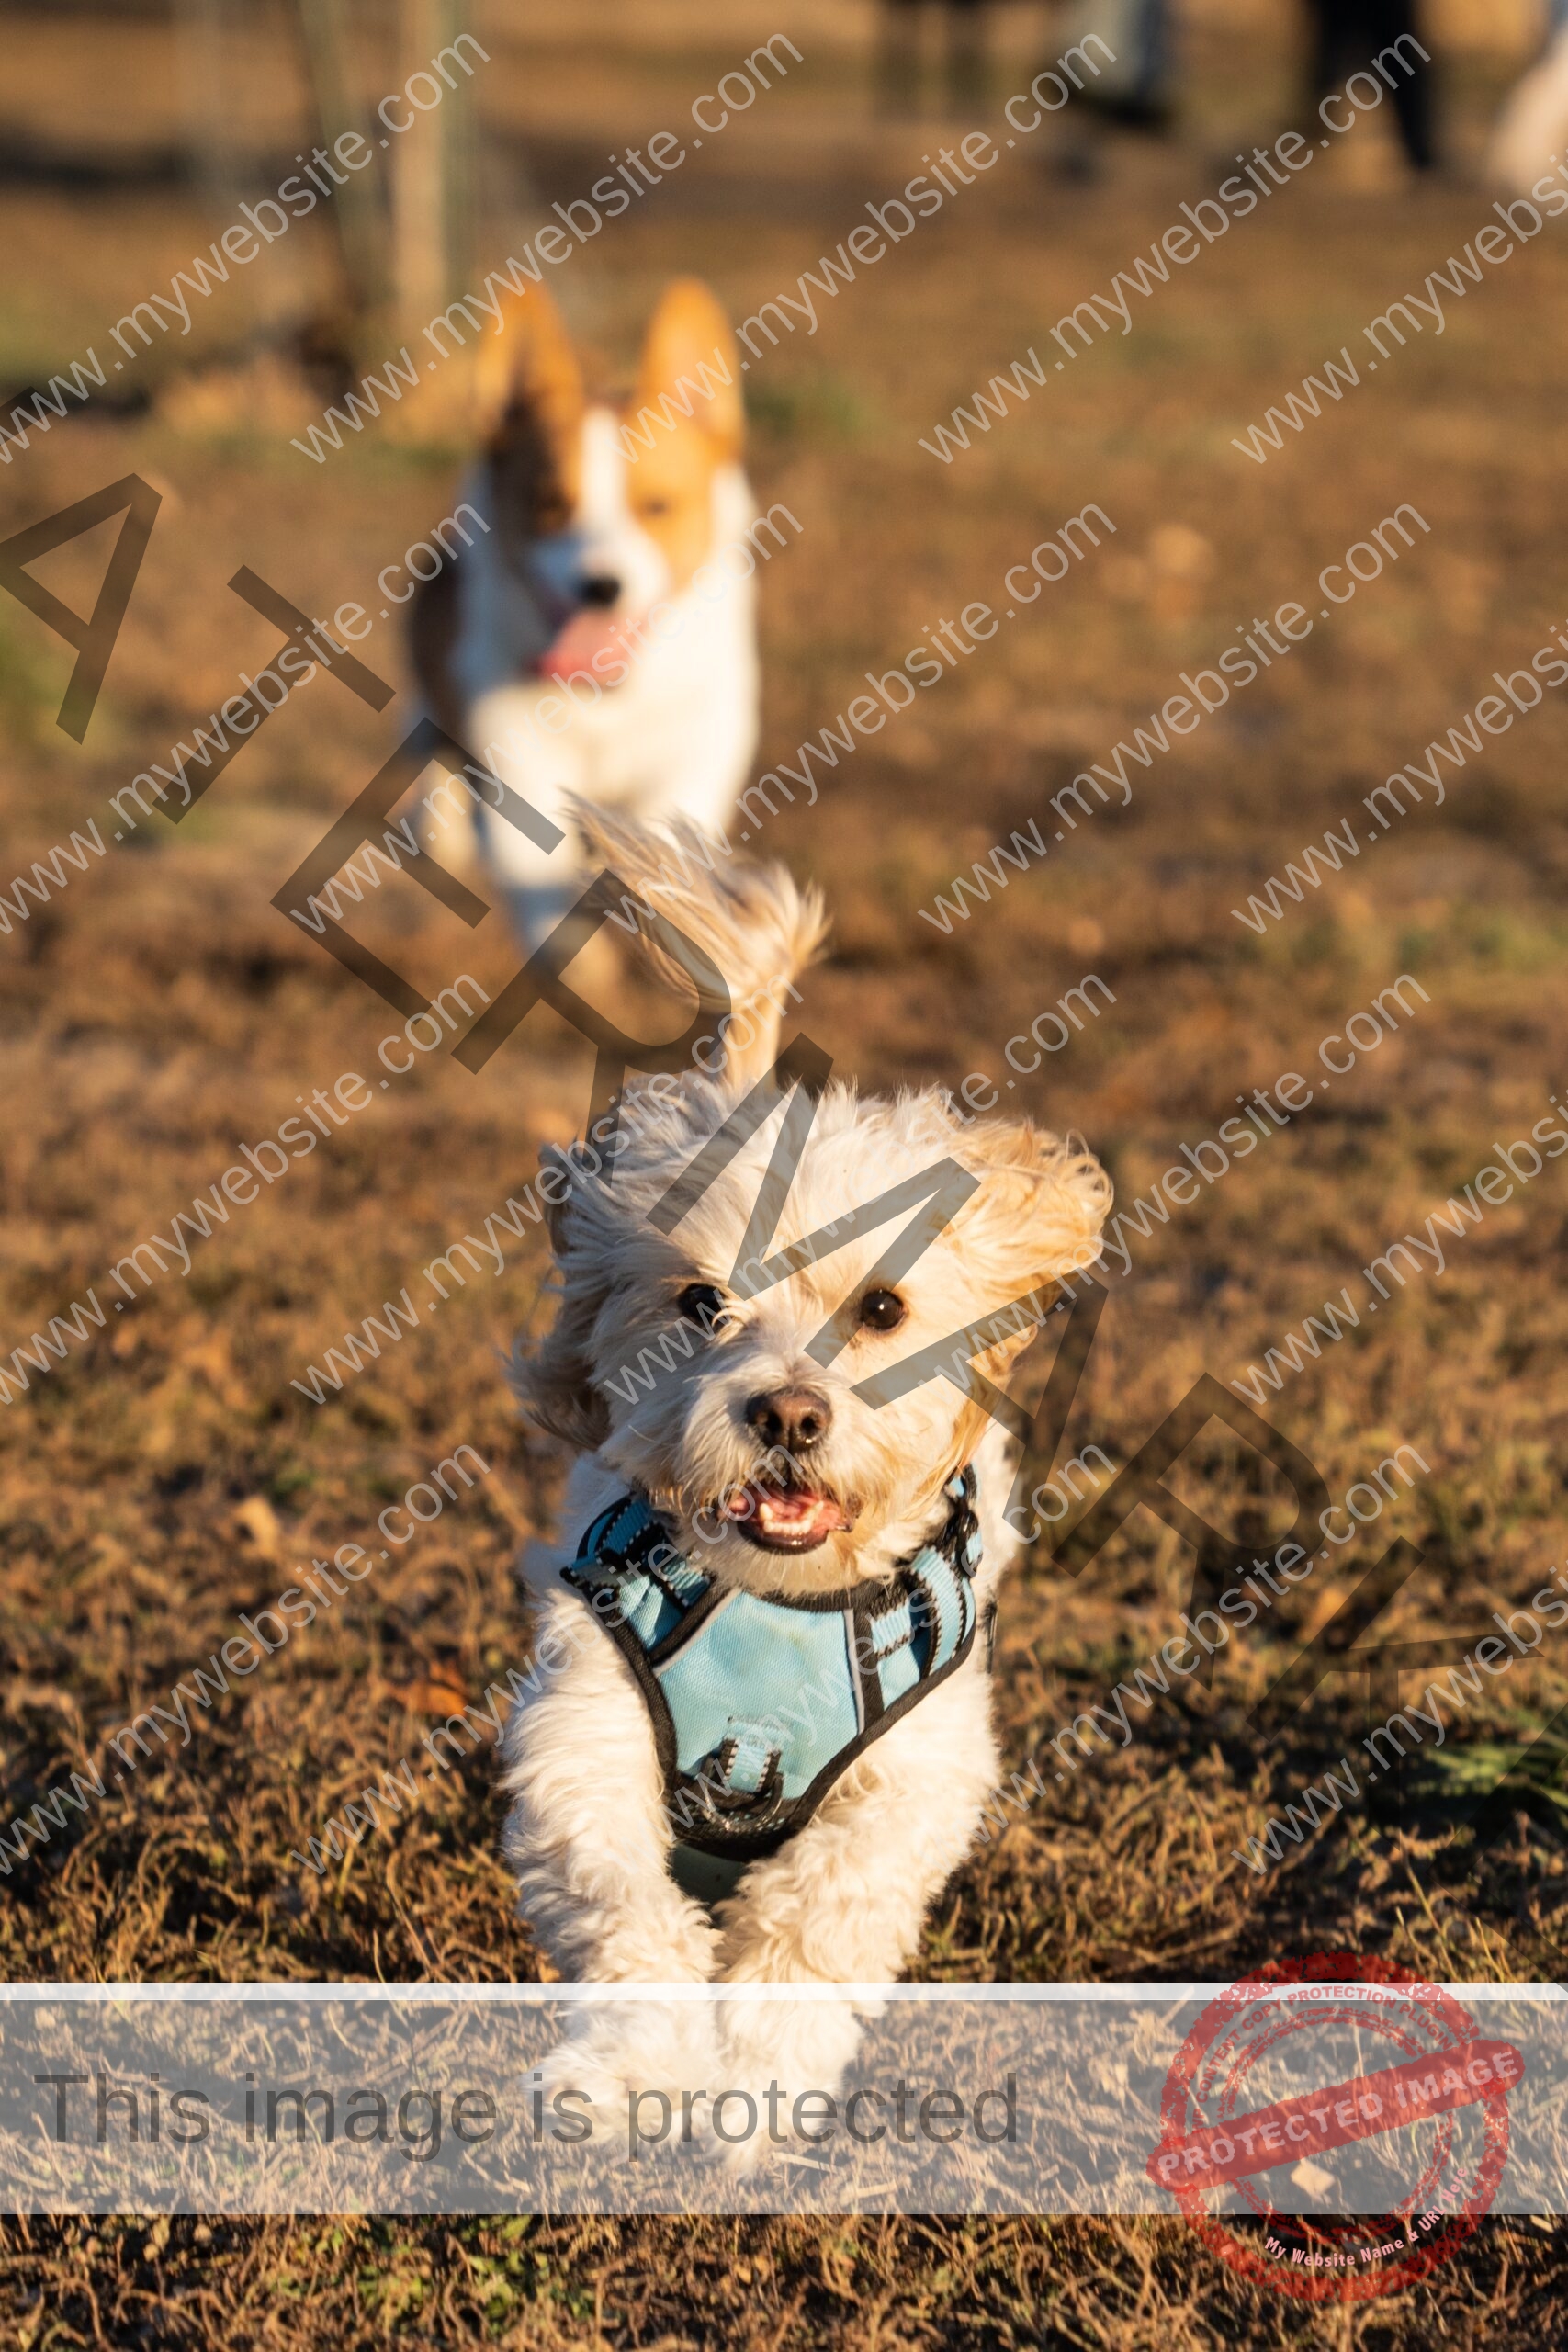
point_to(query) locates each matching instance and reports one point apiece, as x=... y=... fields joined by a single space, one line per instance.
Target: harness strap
x=758 y=1705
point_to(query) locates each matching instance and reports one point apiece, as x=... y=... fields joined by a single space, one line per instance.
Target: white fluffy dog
x=764 y=1733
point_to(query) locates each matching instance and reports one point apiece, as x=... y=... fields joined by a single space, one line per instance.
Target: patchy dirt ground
x=157 y=1012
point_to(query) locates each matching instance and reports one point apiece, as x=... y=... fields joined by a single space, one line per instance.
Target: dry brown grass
x=160 y=1011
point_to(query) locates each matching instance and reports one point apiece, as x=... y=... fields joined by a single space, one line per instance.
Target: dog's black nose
x=599 y=588
x=795 y=1418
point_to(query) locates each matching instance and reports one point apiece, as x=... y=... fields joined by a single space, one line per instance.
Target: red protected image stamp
x=1327 y=2086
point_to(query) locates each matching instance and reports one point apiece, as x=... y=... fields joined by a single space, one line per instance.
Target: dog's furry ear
x=688 y=336
x=555 y=1382
x=1037 y=1214
x=755 y=923
x=530 y=370
x=1041 y=1203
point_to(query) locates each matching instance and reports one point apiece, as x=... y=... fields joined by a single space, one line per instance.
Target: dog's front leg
x=844 y=1902
x=588 y=1840
x=587 y=1834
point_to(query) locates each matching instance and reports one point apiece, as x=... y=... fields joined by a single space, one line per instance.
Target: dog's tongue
x=789 y=1510
x=571 y=653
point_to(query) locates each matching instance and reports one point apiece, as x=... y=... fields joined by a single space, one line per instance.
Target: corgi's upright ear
x=528 y=386
x=689 y=336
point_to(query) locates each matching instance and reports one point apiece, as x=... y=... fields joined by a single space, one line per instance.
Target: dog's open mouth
x=784 y=1518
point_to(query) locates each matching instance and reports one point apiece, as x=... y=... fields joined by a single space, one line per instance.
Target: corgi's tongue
x=571 y=654
x=796 y=1516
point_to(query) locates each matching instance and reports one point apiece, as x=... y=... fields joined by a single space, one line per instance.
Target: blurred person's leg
x=1346 y=36
x=898 y=57
x=1394 y=22
x=1135 y=93
x=1155 y=62
x=1139 y=97
x=965 y=55
x=1331 y=51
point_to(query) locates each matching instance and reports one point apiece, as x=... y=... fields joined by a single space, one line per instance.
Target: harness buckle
x=742 y=1774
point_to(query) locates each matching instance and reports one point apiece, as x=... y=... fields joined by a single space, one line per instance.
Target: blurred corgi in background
x=592 y=639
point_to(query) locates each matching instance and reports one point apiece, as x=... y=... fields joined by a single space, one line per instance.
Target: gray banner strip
x=1319 y=2099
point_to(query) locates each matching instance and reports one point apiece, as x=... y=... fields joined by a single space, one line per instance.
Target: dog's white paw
x=581 y=2068
x=802 y=2045
x=780 y=2061
x=738 y=2160
x=637 y=2063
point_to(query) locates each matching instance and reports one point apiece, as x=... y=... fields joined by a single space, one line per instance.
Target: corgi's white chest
x=677 y=735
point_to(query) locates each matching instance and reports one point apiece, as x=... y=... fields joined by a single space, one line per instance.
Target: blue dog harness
x=758 y=1705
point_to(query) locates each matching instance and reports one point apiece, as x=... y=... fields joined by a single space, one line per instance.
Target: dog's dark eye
x=882 y=1310
x=703 y=1304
